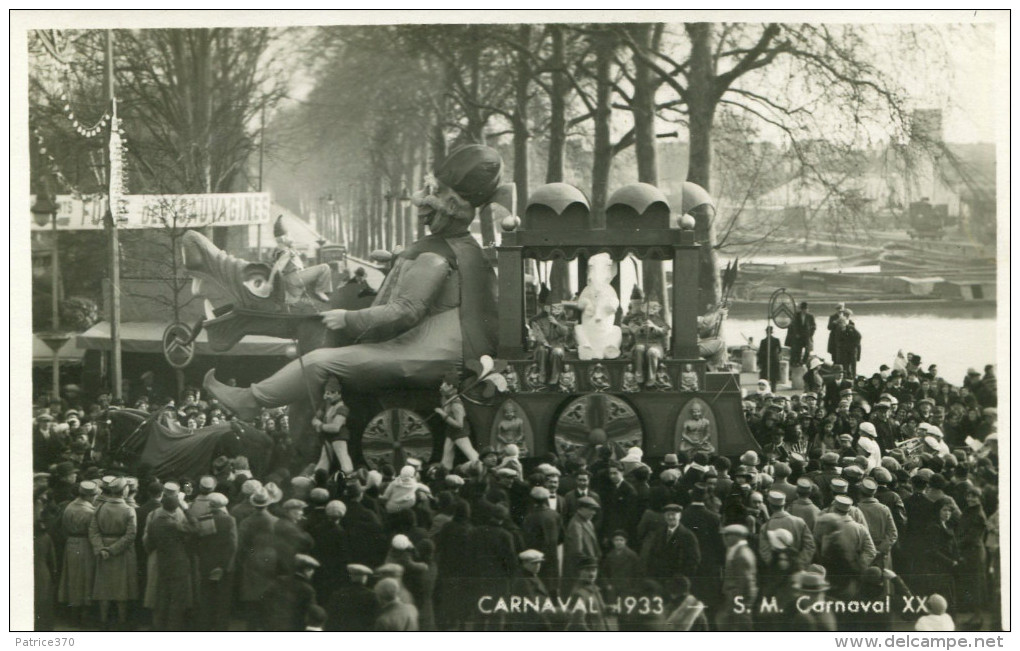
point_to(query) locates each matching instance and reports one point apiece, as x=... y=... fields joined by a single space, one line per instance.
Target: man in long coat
x=671 y=551
x=800 y=336
x=740 y=581
x=803 y=541
x=705 y=525
x=170 y=538
x=579 y=542
x=112 y=536
x=353 y=606
x=528 y=585
x=880 y=521
x=257 y=556
x=543 y=531
x=216 y=550
x=494 y=559
x=79 y=565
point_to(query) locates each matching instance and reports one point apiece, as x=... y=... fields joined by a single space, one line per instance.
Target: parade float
x=452 y=315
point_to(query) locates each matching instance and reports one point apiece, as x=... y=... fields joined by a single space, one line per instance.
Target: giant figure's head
x=466 y=180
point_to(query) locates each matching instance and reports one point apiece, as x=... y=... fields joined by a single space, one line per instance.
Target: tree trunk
x=701 y=103
x=557 y=109
x=520 y=121
x=559 y=273
x=603 y=150
x=644 y=143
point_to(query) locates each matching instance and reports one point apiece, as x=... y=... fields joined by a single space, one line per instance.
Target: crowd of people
x=866 y=488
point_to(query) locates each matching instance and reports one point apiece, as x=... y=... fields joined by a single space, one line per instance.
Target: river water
x=953 y=341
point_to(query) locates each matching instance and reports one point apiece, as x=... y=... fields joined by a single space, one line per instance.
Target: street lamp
x=44 y=210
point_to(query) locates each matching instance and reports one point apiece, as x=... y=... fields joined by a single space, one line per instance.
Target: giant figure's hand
x=335 y=319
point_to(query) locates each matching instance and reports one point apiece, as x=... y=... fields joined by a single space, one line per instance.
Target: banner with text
x=164 y=211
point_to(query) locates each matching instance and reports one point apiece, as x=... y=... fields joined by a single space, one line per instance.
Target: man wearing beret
x=435 y=310
x=216 y=551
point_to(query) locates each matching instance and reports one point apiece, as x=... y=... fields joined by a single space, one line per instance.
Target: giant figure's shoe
x=240 y=401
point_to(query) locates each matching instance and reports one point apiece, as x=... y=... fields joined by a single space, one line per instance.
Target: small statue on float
x=436 y=308
x=662 y=379
x=550 y=333
x=533 y=376
x=696 y=435
x=511 y=432
x=457 y=430
x=568 y=381
x=330 y=422
x=599 y=378
x=688 y=378
x=597 y=336
x=513 y=382
x=630 y=382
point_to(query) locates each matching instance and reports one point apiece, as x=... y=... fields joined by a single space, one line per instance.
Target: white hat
x=735 y=529
x=867 y=429
x=780 y=538
x=408 y=472
x=400 y=541
x=454 y=480
x=531 y=555
x=336 y=508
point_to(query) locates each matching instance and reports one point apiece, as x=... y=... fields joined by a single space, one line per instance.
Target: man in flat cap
x=352 y=606
x=216 y=552
x=740 y=581
x=394 y=615
x=528 y=584
x=543 y=531
x=293 y=596
x=593 y=617
x=580 y=541
x=435 y=310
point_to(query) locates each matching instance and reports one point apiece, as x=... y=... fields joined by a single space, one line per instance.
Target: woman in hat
x=112 y=535
x=972 y=572
x=941 y=556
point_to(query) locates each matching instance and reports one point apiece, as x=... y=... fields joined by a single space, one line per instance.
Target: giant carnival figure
x=435 y=309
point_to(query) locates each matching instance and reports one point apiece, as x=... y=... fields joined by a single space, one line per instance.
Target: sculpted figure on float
x=598 y=337
x=435 y=309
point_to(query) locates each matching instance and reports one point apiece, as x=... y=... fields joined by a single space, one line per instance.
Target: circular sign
x=782 y=308
x=178 y=347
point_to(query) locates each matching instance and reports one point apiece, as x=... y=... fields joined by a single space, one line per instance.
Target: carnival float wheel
x=393 y=435
x=597 y=419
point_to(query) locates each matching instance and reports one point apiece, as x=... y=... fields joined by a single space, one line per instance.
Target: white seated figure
x=597 y=336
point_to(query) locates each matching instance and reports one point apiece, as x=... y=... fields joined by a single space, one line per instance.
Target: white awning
x=147 y=337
